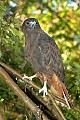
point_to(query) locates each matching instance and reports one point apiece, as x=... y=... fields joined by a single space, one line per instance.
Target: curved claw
x=30 y=78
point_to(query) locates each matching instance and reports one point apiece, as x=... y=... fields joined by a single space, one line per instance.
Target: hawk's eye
x=36 y=22
x=27 y=23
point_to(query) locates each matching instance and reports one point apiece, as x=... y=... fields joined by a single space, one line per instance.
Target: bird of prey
x=44 y=55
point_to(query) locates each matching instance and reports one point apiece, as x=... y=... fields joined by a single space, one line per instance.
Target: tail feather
x=66 y=100
x=67 y=96
x=61 y=90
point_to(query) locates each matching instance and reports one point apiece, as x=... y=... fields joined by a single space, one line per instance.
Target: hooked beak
x=32 y=24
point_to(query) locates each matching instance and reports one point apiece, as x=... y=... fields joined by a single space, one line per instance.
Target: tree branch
x=22 y=95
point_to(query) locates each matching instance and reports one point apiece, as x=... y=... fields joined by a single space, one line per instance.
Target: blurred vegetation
x=62 y=23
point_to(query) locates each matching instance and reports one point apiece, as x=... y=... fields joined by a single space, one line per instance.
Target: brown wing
x=49 y=57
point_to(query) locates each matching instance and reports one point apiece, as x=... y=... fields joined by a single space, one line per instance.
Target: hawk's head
x=30 y=24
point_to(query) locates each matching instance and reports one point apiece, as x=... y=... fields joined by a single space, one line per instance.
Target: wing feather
x=50 y=56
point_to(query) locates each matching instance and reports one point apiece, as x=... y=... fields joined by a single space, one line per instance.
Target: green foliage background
x=63 y=26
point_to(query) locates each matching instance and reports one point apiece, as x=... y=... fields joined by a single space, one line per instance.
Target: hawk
x=44 y=55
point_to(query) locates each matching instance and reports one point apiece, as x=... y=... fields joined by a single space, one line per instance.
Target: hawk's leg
x=31 y=77
x=44 y=89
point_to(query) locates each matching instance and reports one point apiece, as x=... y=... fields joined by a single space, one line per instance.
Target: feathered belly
x=34 y=56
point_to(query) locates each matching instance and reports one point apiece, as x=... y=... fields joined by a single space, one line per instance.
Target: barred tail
x=67 y=97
